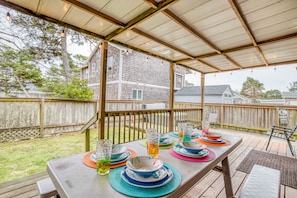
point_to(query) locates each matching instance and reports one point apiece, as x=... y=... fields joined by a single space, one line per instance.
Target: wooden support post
x=41 y=118
x=87 y=136
x=171 y=98
x=202 y=82
x=102 y=95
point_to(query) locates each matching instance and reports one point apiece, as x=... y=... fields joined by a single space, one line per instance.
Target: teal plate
x=121 y=186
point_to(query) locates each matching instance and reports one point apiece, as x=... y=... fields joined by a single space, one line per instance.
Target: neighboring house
x=240 y=99
x=131 y=75
x=290 y=98
x=222 y=94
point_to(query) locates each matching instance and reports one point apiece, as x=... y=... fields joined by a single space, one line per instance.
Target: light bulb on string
x=63 y=33
x=8 y=16
x=147 y=59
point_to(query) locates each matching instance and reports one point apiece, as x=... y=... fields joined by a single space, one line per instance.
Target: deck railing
x=30 y=118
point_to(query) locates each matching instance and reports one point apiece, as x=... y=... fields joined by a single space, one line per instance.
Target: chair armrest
x=280 y=128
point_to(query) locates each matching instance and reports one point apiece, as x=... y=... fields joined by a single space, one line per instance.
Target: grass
x=23 y=158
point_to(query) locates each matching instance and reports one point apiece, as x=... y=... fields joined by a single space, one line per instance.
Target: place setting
x=118 y=156
x=192 y=151
x=212 y=139
x=182 y=127
x=165 y=141
x=146 y=176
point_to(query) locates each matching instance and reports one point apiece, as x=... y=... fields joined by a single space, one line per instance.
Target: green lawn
x=23 y=158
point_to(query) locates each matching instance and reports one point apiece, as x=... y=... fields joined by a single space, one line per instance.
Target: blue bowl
x=144 y=165
x=117 y=151
x=193 y=147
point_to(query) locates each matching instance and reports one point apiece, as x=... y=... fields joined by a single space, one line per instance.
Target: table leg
x=227 y=178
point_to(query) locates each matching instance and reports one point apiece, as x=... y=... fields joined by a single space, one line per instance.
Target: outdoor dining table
x=72 y=178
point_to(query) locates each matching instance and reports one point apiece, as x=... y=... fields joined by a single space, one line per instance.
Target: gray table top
x=74 y=179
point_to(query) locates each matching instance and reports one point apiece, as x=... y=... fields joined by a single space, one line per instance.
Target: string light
x=162 y=63
x=8 y=16
x=100 y=45
x=63 y=33
x=147 y=59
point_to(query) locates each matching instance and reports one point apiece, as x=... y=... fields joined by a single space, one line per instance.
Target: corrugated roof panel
x=270 y=18
x=31 y=5
x=121 y=10
x=246 y=57
x=281 y=51
x=220 y=62
x=100 y=26
x=55 y=8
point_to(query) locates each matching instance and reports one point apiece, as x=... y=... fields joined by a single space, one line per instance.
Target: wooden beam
x=262 y=43
x=92 y=11
x=151 y=3
x=209 y=65
x=242 y=21
x=244 y=24
x=162 y=42
x=140 y=18
x=232 y=61
x=191 y=30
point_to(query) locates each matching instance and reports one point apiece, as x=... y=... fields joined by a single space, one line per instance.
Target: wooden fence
x=31 y=118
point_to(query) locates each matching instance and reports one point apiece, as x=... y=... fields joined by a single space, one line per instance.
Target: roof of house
x=289 y=94
x=196 y=90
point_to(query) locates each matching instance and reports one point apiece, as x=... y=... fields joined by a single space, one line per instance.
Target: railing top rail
x=89 y=123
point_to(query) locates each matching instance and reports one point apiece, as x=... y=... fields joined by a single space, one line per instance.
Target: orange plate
x=87 y=160
x=212 y=136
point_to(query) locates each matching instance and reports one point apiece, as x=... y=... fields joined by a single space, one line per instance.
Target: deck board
x=211 y=185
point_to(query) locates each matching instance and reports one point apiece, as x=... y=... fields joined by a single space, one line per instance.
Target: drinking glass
x=181 y=127
x=103 y=155
x=152 y=142
x=187 y=133
x=205 y=126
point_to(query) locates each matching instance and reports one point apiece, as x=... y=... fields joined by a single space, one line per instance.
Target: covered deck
x=212 y=185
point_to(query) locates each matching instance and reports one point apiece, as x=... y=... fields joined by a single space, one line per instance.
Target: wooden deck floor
x=212 y=185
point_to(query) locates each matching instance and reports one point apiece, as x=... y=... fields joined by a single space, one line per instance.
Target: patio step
x=23 y=187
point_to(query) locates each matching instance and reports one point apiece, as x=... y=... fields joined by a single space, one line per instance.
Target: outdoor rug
x=287 y=165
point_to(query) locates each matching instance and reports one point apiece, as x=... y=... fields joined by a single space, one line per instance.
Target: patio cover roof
x=207 y=36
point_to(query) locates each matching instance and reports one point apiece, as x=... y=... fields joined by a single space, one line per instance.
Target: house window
x=178 y=81
x=137 y=94
x=93 y=67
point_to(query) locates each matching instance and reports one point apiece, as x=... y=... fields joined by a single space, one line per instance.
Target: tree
x=17 y=71
x=43 y=43
x=252 y=89
x=272 y=94
x=77 y=89
x=293 y=86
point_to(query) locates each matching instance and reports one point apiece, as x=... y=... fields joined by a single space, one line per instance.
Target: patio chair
x=282 y=132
